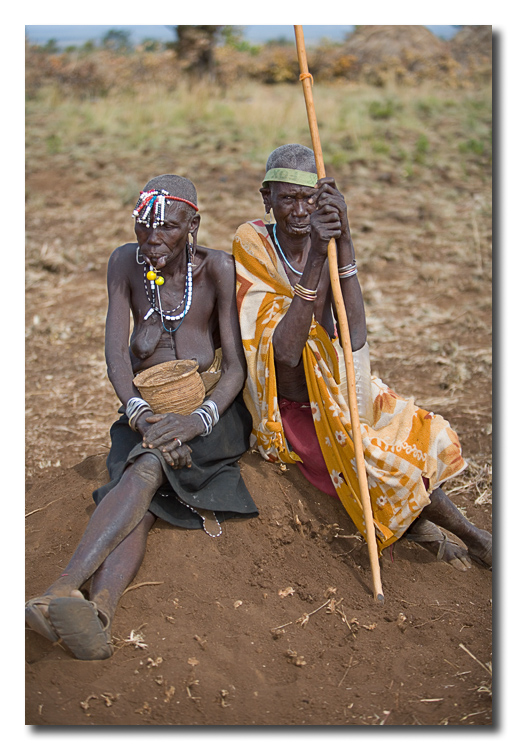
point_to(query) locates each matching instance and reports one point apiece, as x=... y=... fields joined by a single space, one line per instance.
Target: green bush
x=472 y=146
x=382 y=110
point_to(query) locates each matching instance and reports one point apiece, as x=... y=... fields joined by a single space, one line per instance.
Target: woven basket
x=212 y=376
x=172 y=387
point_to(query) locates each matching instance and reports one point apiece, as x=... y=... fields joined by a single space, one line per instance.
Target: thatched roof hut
x=377 y=44
x=472 y=45
x=404 y=54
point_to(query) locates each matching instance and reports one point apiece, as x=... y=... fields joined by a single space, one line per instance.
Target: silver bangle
x=206 y=419
x=211 y=406
x=346 y=271
x=134 y=408
x=134 y=417
x=134 y=404
x=209 y=414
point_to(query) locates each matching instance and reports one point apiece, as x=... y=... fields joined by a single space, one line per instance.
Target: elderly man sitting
x=295 y=387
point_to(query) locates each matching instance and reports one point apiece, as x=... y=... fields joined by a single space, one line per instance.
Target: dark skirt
x=213 y=482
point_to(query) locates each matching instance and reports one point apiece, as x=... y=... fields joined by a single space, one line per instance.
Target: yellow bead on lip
x=151 y=275
x=160 y=280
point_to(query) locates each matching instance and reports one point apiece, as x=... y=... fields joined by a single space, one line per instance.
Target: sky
x=66 y=35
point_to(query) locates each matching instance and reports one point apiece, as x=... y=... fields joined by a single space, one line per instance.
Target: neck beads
x=153 y=294
x=282 y=254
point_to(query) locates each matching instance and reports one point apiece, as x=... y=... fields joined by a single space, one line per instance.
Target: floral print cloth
x=404 y=443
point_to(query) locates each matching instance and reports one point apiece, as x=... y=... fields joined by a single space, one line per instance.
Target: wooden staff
x=306 y=80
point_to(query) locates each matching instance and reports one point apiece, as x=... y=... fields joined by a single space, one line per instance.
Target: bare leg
x=444 y=513
x=112 y=521
x=119 y=568
x=120 y=512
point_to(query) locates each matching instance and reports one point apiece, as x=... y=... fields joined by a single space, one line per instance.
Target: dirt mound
x=271 y=624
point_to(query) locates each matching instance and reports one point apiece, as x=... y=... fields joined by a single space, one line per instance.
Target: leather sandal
x=82 y=627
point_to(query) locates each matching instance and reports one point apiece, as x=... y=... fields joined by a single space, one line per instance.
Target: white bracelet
x=206 y=419
x=134 y=408
x=209 y=413
x=135 y=404
x=211 y=406
x=134 y=417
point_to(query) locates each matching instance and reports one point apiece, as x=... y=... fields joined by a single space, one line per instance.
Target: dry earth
x=273 y=623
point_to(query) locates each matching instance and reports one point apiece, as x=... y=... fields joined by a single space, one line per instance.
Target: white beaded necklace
x=187 y=293
x=155 y=295
x=298 y=273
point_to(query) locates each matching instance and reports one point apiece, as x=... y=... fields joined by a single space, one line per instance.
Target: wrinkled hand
x=178 y=457
x=330 y=219
x=175 y=452
x=169 y=433
x=166 y=428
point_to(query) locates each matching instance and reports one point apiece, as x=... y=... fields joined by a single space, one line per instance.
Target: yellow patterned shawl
x=404 y=443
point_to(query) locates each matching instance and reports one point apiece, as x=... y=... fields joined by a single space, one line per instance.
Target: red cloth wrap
x=301 y=434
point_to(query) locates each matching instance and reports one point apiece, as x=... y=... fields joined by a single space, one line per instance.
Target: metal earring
x=192 y=247
x=267 y=217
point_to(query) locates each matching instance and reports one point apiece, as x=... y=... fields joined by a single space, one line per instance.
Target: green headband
x=294 y=176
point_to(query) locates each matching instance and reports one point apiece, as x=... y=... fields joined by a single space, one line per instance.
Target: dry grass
x=415 y=168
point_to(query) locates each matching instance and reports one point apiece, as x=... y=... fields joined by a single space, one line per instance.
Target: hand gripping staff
x=373 y=553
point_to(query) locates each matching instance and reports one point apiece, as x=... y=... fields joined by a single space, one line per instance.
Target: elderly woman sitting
x=296 y=388
x=179 y=463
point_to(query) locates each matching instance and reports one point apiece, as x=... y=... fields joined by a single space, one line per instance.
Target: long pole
x=373 y=553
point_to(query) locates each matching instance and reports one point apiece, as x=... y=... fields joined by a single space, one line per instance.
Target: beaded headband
x=294 y=176
x=144 y=207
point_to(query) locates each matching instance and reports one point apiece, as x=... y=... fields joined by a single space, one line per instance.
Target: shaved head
x=181 y=187
x=292 y=156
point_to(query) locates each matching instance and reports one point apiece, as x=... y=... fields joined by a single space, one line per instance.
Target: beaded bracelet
x=306 y=294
